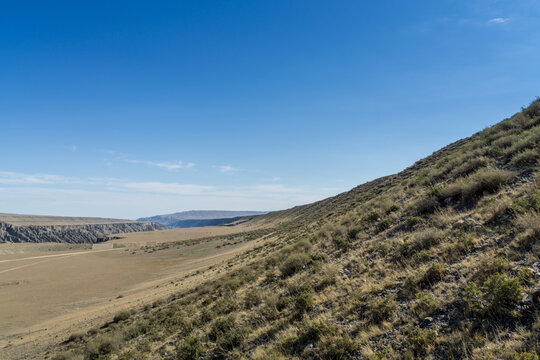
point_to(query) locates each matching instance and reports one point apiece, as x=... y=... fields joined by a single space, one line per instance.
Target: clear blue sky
x=132 y=108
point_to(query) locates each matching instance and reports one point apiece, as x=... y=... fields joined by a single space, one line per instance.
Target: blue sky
x=131 y=108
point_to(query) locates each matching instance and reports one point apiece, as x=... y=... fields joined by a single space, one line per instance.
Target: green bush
x=294 y=263
x=469 y=167
x=370 y=217
x=422 y=241
x=529 y=224
x=121 y=316
x=303 y=301
x=434 y=274
x=498 y=296
x=490 y=266
x=527 y=157
x=418 y=340
x=312 y=332
x=384 y=224
x=337 y=347
x=189 y=349
x=232 y=339
x=382 y=309
x=413 y=221
x=485 y=181
x=253 y=298
x=533 y=110
x=425 y=305
x=353 y=233
x=221 y=326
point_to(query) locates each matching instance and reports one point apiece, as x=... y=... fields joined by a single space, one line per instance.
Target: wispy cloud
x=72 y=147
x=170 y=188
x=13 y=178
x=226 y=168
x=175 y=165
x=498 y=20
x=49 y=193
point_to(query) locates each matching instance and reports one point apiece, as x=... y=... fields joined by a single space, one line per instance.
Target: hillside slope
x=439 y=261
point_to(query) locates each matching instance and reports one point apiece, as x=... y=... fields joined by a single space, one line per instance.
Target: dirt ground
x=50 y=291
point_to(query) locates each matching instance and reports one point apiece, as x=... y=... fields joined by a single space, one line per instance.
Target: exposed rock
x=532 y=298
x=90 y=233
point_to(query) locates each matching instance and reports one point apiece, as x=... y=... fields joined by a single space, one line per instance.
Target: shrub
x=75 y=337
x=221 y=326
x=312 y=332
x=302 y=246
x=121 y=316
x=232 y=339
x=533 y=110
x=485 y=181
x=526 y=355
x=419 y=340
x=425 y=305
x=337 y=347
x=353 y=233
x=303 y=301
x=433 y=274
x=371 y=217
x=504 y=141
x=469 y=167
x=252 y=298
x=413 y=221
x=102 y=346
x=382 y=309
x=527 y=157
x=294 y=263
x=422 y=241
x=529 y=224
x=498 y=296
x=225 y=305
x=384 y=224
x=425 y=205
x=464 y=243
x=341 y=243
x=525 y=276
x=490 y=266
x=189 y=349
x=530 y=202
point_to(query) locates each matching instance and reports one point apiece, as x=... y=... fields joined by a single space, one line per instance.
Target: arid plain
x=50 y=290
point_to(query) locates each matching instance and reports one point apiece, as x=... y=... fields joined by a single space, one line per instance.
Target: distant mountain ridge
x=194 y=218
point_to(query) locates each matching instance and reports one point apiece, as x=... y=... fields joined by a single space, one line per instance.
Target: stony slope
x=440 y=261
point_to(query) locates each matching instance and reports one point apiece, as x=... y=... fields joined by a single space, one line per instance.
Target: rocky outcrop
x=90 y=233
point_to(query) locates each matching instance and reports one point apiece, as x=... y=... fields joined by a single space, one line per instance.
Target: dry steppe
x=51 y=290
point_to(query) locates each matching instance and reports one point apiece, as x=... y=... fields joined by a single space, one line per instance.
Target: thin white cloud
x=170 y=188
x=226 y=168
x=72 y=147
x=56 y=194
x=498 y=20
x=13 y=178
x=175 y=165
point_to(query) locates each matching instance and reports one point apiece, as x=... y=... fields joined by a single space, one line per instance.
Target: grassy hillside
x=439 y=261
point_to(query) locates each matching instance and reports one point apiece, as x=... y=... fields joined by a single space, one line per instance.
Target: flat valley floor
x=50 y=291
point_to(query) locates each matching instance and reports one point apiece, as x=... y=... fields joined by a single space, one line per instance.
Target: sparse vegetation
x=433 y=262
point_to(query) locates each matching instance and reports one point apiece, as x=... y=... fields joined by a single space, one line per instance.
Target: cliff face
x=90 y=233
